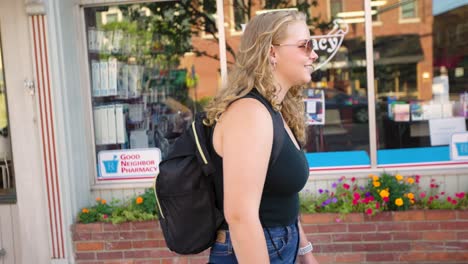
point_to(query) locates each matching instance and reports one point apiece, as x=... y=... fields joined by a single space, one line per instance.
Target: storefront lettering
x=139 y=169
x=330 y=42
x=321 y=44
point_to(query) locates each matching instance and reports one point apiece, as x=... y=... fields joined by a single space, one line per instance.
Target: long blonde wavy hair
x=253 y=70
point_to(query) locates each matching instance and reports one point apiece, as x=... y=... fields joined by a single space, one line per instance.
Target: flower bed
x=415 y=236
x=383 y=219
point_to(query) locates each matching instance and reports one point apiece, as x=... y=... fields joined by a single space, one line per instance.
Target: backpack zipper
x=157 y=199
x=198 y=143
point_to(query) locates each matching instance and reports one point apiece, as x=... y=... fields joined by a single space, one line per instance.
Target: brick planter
x=391 y=237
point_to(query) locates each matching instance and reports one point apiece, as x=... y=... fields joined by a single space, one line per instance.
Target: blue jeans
x=286 y=240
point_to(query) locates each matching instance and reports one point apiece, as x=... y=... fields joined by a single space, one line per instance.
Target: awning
x=394 y=49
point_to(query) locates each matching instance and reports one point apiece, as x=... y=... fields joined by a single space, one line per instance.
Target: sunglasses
x=306 y=46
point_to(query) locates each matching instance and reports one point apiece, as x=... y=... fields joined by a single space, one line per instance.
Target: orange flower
x=98 y=199
x=410 y=180
x=85 y=210
x=376 y=184
x=384 y=193
x=103 y=201
x=139 y=200
x=375 y=178
x=411 y=196
x=399 y=202
x=399 y=177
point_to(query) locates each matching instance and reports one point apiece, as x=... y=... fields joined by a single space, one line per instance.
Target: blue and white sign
x=128 y=164
x=459 y=146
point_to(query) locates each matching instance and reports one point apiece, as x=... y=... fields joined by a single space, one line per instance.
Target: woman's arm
x=246 y=140
x=308 y=258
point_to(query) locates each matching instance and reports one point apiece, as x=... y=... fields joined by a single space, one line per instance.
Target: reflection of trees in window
x=241 y=10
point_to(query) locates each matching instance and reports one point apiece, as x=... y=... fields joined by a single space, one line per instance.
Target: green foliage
x=435 y=199
x=385 y=193
x=392 y=191
x=139 y=208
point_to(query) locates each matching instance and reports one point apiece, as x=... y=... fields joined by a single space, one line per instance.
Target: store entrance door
x=21 y=187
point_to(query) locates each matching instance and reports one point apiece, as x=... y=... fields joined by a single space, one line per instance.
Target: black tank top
x=287 y=174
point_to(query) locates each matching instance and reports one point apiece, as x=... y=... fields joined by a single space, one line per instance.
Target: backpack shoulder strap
x=202 y=137
x=278 y=126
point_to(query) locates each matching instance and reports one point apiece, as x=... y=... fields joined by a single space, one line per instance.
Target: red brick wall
x=403 y=237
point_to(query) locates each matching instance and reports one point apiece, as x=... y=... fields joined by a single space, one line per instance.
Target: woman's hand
x=307 y=258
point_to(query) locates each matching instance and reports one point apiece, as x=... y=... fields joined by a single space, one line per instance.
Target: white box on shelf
x=100 y=35
x=120 y=124
x=133 y=80
x=96 y=78
x=117 y=40
x=447 y=109
x=92 y=40
x=97 y=125
x=104 y=67
x=112 y=76
x=111 y=124
x=104 y=125
x=122 y=83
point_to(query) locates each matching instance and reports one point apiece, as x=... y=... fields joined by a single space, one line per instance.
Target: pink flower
x=369 y=211
x=377 y=206
x=460 y=195
x=355 y=202
x=346 y=186
x=442 y=193
x=356 y=196
x=353 y=179
x=422 y=195
x=454 y=201
x=105 y=216
x=431 y=198
x=449 y=199
x=386 y=199
x=437 y=196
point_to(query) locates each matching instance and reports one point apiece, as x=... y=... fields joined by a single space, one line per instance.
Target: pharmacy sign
x=128 y=164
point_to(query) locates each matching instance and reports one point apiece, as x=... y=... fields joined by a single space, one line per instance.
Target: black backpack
x=184 y=188
x=185 y=194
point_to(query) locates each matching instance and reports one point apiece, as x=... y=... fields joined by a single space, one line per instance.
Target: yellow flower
x=139 y=200
x=103 y=201
x=376 y=184
x=375 y=178
x=399 y=177
x=371 y=175
x=399 y=202
x=384 y=193
x=410 y=180
x=85 y=210
x=411 y=196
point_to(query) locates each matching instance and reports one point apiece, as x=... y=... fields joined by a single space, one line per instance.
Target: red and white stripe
x=46 y=122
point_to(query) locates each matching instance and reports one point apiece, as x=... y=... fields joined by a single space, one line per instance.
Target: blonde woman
x=259 y=113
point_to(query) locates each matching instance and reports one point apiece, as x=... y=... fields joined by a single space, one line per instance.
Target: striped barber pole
x=46 y=123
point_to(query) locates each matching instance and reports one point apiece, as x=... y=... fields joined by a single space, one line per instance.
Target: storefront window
x=7 y=181
x=338 y=127
x=421 y=83
x=145 y=76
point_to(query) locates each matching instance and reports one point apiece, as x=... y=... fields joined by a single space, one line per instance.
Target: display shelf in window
x=140 y=98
